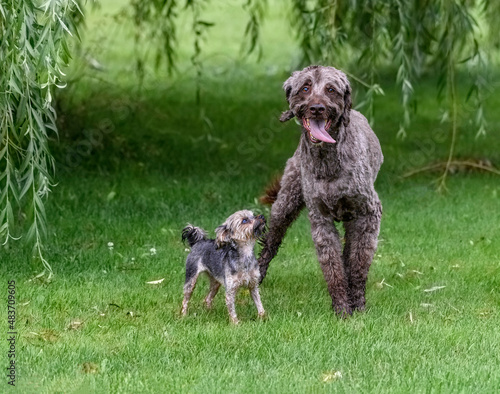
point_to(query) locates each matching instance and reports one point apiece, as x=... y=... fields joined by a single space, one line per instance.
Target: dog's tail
x=193 y=234
x=271 y=192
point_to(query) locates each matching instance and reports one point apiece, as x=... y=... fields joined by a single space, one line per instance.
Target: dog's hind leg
x=214 y=288
x=284 y=211
x=329 y=249
x=361 y=242
x=192 y=272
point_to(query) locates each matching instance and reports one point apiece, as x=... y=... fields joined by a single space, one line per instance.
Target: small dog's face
x=319 y=97
x=240 y=226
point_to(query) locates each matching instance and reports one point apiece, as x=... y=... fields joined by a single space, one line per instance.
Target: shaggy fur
x=332 y=173
x=228 y=260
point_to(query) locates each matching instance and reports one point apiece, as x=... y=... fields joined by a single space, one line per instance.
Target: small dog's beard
x=249 y=232
x=259 y=230
x=245 y=234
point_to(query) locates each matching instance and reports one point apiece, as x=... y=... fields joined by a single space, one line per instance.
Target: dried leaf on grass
x=435 y=288
x=89 y=367
x=75 y=325
x=156 y=282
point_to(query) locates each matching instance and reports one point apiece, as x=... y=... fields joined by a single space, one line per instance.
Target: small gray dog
x=332 y=173
x=228 y=260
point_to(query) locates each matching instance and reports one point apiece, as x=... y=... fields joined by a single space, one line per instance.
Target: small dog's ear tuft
x=222 y=235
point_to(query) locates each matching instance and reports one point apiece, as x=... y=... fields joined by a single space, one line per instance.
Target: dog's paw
x=342 y=311
x=358 y=305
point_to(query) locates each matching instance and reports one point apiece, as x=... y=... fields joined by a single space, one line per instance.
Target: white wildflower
x=331 y=376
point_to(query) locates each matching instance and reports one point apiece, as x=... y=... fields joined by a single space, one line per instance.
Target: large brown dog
x=332 y=173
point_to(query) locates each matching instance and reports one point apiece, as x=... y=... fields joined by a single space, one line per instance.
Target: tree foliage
x=412 y=36
x=33 y=50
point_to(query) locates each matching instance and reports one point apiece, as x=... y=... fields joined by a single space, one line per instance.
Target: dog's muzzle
x=260 y=225
x=318 y=130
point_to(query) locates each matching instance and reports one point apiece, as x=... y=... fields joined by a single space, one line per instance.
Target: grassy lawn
x=135 y=167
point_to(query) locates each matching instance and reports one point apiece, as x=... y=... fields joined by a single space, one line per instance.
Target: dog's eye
x=330 y=90
x=244 y=221
x=305 y=89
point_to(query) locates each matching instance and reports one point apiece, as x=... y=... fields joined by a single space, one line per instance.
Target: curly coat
x=334 y=180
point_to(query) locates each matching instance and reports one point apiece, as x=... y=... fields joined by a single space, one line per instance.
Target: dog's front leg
x=284 y=211
x=361 y=242
x=254 y=291
x=230 y=303
x=329 y=249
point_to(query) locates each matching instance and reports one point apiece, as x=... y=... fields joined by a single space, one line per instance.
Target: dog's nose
x=317 y=109
x=261 y=217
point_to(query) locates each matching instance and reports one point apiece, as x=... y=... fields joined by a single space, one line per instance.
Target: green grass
x=160 y=165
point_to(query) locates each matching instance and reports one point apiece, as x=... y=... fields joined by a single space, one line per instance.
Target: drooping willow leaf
x=33 y=50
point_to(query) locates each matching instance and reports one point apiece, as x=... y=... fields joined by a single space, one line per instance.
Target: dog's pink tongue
x=317 y=129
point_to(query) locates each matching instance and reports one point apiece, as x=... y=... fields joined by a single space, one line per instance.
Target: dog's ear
x=286 y=116
x=287 y=87
x=222 y=235
x=346 y=114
